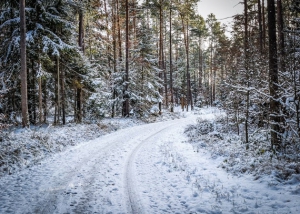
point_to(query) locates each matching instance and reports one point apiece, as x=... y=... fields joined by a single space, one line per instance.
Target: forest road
x=118 y=173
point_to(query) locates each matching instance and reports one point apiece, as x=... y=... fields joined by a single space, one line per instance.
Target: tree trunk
x=195 y=79
x=108 y=35
x=29 y=94
x=188 y=80
x=78 y=105
x=246 y=47
x=33 y=91
x=133 y=9
x=55 y=103
x=166 y=83
x=44 y=88
x=165 y=63
x=200 y=67
x=63 y=99
x=75 y=104
x=40 y=94
x=177 y=98
x=58 y=90
x=282 y=55
x=281 y=35
x=190 y=97
x=214 y=81
x=260 y=28
x=125 y=94
x=264 y=24
x=23 y=72
x=40 y=101
x=171 y=66
x=114 y=55
x=161 y=63
x=211 y=74
x=119 y=33
x=273 y=77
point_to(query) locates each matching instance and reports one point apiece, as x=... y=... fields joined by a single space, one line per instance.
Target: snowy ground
x=21 y=148
x=150 y=168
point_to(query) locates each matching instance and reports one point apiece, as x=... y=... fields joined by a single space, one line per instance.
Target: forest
x=78 y=61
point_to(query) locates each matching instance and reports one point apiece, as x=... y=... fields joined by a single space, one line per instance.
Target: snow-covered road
x=141 y=169
x=99 y=176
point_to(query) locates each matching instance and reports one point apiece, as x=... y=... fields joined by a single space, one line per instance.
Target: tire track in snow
x=49 y=204
x=134 y=202
x=99 y=157
x=51 y=192
x=81 y=178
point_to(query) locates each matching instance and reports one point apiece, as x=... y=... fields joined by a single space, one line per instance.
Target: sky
x=221 y=8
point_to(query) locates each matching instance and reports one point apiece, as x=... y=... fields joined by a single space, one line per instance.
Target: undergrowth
x=256 y=157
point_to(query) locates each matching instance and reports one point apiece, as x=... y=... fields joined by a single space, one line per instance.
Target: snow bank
x=21 y=148
x=255 y=158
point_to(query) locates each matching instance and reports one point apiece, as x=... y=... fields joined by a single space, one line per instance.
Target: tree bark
x=58 y=91
x=125 y=94
x=171 y=66
x=211 y=74
x=273 y=77
x=33 y=91
x=188 y=77
x=44 y=88
x=133 y=9
x=40 y=94
x=200 y=66
x=246 y=50
x=263 y=24
x=119 y=33
x=114 y=55
x=260 y=28
x=23 y=72
x=63 y=97
x=78 y=105
x=78 y=101
x=190 y=97
x=40 y=101
x=161 y=63
x=108 y=35
x=281 y=35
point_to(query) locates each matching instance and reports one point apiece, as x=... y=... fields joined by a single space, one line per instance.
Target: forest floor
x=161 y=167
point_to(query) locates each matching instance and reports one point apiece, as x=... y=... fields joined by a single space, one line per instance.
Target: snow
x=220 y=192
x=20 y=148
x=144 y=168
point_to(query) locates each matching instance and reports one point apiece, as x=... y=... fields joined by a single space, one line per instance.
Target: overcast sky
x=221 y=8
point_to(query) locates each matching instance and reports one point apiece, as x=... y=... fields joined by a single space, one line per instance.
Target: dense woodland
x=65 y=61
